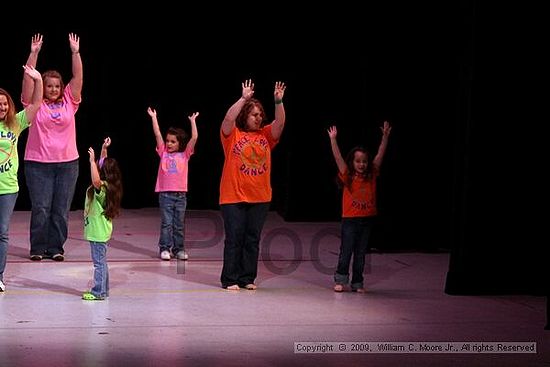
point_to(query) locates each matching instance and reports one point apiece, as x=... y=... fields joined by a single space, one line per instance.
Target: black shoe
x=36 y=257
x=58 y=257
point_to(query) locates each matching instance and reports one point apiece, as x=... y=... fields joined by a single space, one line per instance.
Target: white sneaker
x=182 y=255
x=165 y=255
x=2 y=286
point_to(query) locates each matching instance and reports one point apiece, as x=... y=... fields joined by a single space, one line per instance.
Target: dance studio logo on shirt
x=55 y=114
x=360 y=200
x=253 y=155
x=170 y=164
x=7 y=144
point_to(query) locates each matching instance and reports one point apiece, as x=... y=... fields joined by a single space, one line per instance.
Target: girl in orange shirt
x=358 y=181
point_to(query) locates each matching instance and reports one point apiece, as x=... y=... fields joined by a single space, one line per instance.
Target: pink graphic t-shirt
x=173 y=169
x=52 y=134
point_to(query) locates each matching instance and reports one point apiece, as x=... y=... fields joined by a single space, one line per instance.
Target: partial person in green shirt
x=12 y=123
x=102 y=205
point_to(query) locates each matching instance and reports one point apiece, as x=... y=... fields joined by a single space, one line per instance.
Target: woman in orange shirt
x=245 y=187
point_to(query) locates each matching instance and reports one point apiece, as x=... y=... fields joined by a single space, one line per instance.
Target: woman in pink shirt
x=51 y=156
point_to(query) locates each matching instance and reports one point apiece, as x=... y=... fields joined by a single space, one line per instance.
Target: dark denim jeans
x=172 y=227
x=100 y=288
x=51 y=189
x=243 y=223
x=7 y=203
x=355 y=240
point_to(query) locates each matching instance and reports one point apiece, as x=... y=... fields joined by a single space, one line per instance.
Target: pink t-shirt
x=52 y=135
x=173 y=169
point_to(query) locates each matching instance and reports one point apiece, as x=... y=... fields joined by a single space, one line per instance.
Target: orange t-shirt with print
x=246 y=175
x=359 y=200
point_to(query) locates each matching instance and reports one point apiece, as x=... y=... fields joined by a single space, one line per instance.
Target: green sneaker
x=87 y=296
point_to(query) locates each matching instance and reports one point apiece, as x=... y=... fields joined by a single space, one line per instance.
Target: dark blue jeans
x=51 y=189
x=7 y=203
x=355 y=240
x=172 y=213
x=243 y=223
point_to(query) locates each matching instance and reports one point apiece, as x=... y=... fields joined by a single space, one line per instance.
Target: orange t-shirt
x=246 y=175
x=360 y=199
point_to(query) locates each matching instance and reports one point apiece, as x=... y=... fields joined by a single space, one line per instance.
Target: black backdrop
x=442 y=74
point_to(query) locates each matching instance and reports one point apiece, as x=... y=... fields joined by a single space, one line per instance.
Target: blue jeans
x=7 y=203
x=243 y=223
x=355 y=240
x=51 y=189
x=101 y=269
x=172 y=213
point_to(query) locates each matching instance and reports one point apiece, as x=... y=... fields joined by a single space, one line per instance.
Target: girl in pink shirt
x=174 y=153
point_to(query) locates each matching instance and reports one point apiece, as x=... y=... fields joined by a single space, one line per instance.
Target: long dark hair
x=110 y=172
x=351 y=169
